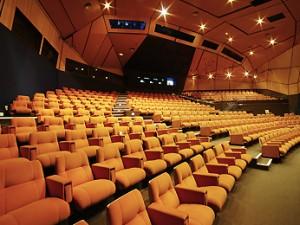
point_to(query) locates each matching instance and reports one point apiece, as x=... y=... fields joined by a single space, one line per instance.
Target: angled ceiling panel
x=102 y=52
x=112 y=60
x=80 y=38
x=207 y=64
x=196 y=60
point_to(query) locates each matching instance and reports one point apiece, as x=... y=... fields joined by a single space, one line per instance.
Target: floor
x=260 y=197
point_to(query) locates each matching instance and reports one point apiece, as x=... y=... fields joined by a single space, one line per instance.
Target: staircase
x=121 y=108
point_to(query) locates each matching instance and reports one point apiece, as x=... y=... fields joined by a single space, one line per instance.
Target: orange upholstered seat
x=244 y=155
x=119 y=212
x=55 y=124
x=8 y=146
x=102 y=134
x=79 y=124
x=22 y=195
x=194 y=144
x=186 y=204
x=23 y=127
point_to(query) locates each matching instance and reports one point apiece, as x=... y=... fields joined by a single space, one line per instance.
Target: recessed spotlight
x=132 y=49
x=96 y=69
x=228 y=74
x=194 y=77
x=246 y=74
x=210 y=76
x=106 y=78
x=163 y=12
x=87 y=5
x=203 y=27
x=93 y=77
x=76 y=68
x=254 y=76
x=121 y=54
x=195 y=13
x=107 y=5
x=230 y=39
x=82 y=69
x=231 y=1
x=251 y=52
x=272 y=41
x=260 y=20
x=226 y=33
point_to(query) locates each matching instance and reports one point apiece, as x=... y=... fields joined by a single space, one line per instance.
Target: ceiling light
x=121 y=54
x=106 y=78
x=93 y=77
x=87 y=5
x=251 y=52
x=226 y=33
x=163 y=12
x=194 y=77
x=228 y=74
x=246 y=73
x=210 y=76
x=195 y=13
x=230 y=1
x=254 y=76
x=272 y=41
x=260 y=21
x=107 y=5
x=203 y=27
x=230 y=39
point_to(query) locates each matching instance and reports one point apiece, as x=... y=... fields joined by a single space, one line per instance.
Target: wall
x=38 y=17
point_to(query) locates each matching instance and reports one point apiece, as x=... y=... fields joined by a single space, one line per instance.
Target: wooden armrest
x=101 y=171
x=152 y=154
x=204 y=139
x=42 y=128
x=96 y=141
x=236 y=155
x=242 y=150
x=117 y=138
x=183 y=145
x=90 y=125
x=217 y=168
x=194 y=141
x=135 y=135
x=59 y=187
x=28 y=151
x=162 y=215
x=150 y=133
x=188 y=195
x=170 y=149
x=163 y=131
x=131 y=162
x=226 y=160
x=9 y=129
x=109 y=124
x=208 y=179
x=70 y=126
x=67 y=146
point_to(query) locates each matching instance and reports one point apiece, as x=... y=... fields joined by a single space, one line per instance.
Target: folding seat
x=97 y=113
x=179 y=203
x=118 y=212
x=136 y=132
x=127 y=171
x=122 y=132
x=101 y=137
x=22 y=127
x=44 y=147
x=152 y=160
x=181 y=139
x=55 y=124
x=44 y=113
x=76 y=141
x=23 y=98
x=242 y=150
x=171 y=156
x=216 y=196
x=219 y=151
x=138 y=120
x=126 y=121
x=210 y=157
x=66 y=114
x=23 y=197
x=20 y=107
x=8 y=146
x=90 y=185
x=78 y=123
x=36 y=106
x=54 y=106
x=111 y=121
x=84 y=114
x=150 y=130
x=204 y=141
x=169 y=144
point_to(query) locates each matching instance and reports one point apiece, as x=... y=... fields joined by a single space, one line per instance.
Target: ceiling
x=87 y=30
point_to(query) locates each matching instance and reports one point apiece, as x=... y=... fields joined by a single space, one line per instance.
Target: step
x=262 y=162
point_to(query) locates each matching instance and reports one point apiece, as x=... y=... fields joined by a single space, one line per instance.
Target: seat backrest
x=78 y=136
x=134 y=146
x=46 y=112
x=74 y=166
x=45 y=141
x=218 y=149
x=128 y=209
x=112 y=119
x=191 y=135
x=184 y=176
x=209 y=155
x=54 y=121
x=136 y=129
x=180 y=137
x=121 y=130
x=8 y=146
x=150 y=127
x=102 y=132
x=109 y=155
x=97 y=119
x=24 y=124
x=167 y=139
x=152 y=142
x=226 y=146
x=21 y=183
x=161 y=190
x=197 y=162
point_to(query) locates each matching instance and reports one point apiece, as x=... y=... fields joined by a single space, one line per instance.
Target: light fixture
x=251 y=52
x=254 y=76
x=107 y=5
x=230 y=1
x=163 y=12
x=82 y=69
x=228 y=74
x=210 y=76
x=203 y=27
x=272 y=41
x=106 y=78
x=246 y=73
x=87 y=5
x=194 y=77
x=226 y=33
x=93 y=77
x=230 y=39
x=260 y=20
x=195 y=13
x=121 y=54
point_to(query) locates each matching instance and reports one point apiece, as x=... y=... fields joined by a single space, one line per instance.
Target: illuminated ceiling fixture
x=107 y=5
x=194 y=77
x=272 y=41
x=230 y=1
x=254 y=76
x=230 y=39
x=121 y=54
x=228 y=74
x=260 y=21
x=203 y=27
x=246 y=73
x=210 y=76
x=163 y=12
x=251 y=52
x=87 y=5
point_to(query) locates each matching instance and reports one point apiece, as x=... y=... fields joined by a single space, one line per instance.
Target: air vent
x=276 y=17
x=174 y=33
x=210 y=45
x=232 y=54
x=259 y=2
x=127 y=24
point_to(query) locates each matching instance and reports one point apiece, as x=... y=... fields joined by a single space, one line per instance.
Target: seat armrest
x=70 y=126
x=194 y=141
x=150 y=133
x=152 y=154
x=226 y=160
x=117 y=138
x=204 y=139
x=236 y=155
x=183 y=145
x=162 y=131
x=207 y=179
x=101 y=171
x=170 y=149
x=162 y=215
x=42 y=128
x=124 y=123
x=109 y=124
x=96 y=141
x=90 y=125
x=217 y=168
x=28 y=151
x=131 y=162
x=137 y=123
x=9 y=129
x=67 y=146
x=188 y=195
x=60 y=187
x=135 y=135
x=242 y=150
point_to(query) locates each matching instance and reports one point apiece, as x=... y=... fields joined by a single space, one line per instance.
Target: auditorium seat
x=244 y=155
x=119 y=212
x=204 y=141
x=136 y=132
x=44 y=113
x=171 y=157
x=66 y=114
x=78 y=123
x=178 y=202
x=23 y=126
x=88 y=188
x=210 y=157
x=8 y=146
x=153 y=160
x=216 y=196
x=20 y=107
x=215 y=174
x=194 y=144
x=23 y=197
x=44 y=147
x=53 y=104
x=55 y=124
x=128 y=171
